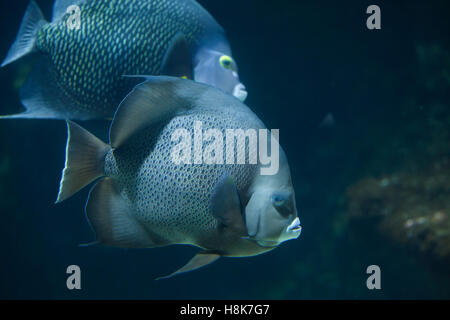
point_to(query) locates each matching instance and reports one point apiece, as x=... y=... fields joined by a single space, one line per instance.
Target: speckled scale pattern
x=116 y=38
x=174 y=200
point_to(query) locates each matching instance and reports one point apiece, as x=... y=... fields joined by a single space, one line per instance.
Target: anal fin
x=199 y=260
x=112 y=219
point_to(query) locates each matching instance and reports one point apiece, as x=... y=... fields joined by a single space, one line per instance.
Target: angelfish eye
x=278 y=200
x=226 y=62
x=282 y=202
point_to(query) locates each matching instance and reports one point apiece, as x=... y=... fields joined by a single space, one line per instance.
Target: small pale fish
x=143 y=198
x=82 y=68
x=328 y=121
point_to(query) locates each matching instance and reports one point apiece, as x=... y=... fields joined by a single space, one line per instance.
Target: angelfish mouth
x=240 y=92
x=294 y=227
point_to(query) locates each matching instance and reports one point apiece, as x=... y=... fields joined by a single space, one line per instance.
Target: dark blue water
x=300 y=61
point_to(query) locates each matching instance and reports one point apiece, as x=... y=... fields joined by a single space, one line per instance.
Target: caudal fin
x=85 y=158
x=32 y=21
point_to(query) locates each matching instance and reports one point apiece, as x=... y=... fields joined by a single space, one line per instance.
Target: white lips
x=294 y=227
x=240 y=92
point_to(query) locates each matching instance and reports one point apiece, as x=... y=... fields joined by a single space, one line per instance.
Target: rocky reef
x=411 y=208
x=410 y=202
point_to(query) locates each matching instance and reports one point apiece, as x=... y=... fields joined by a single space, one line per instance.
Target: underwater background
x=372 y=181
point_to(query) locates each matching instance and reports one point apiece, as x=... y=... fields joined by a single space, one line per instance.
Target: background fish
x=80 y=72
x=144 y=199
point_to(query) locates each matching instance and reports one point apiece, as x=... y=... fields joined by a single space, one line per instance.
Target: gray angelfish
x=85 y=52
x=144 y=198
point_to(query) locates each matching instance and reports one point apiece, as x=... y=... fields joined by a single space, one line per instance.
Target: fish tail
x=85 y=161
x=25 y=42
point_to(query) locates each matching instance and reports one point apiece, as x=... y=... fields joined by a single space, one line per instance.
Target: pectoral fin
x=177 y=61
x=226 y=206
x=252 y=214
x=199 y=260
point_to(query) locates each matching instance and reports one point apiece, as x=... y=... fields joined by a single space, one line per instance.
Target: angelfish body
x=81 y=69
x=145 y=199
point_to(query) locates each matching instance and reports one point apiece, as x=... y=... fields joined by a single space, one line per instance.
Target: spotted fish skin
x=173 y=200
x=86 y=66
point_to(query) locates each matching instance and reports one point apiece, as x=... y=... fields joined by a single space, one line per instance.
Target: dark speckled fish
x=145 y=199
x=87 y=51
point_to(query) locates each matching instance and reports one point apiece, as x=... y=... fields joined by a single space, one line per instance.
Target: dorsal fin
x=150 y=103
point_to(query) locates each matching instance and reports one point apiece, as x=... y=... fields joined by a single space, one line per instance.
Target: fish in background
x=144 y=199
x=81 y=72
x=328 y=121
